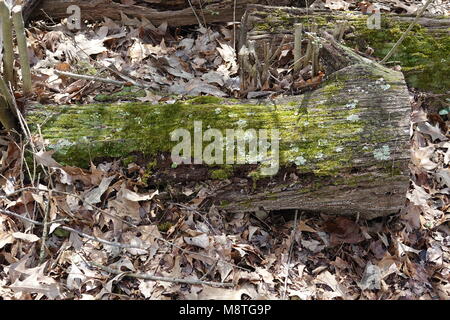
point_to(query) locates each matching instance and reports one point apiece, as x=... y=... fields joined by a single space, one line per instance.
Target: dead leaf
x=25 y=237
x=371 y=279
x=201 y=241
x=45 y=158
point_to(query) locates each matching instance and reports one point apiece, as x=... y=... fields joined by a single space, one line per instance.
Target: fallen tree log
x=174 y=12
x=423 y=55
x=343 y=148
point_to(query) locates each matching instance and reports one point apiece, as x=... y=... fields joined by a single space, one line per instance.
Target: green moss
x=223 y=173
x=165 y=226
x=149 y=170
x=423 y=55
x=84 y=133
x=255 y=175
x=61 y=233
x=205 y=100
x=334 y=87
x=86 y=68
x=224 y=203
x=126 y=94
x=127 y=160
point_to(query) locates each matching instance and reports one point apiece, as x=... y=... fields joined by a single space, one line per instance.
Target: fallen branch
x=298 y=29
x=90 y=78
x=291 y=246
x=164 y=279
x=45 y=228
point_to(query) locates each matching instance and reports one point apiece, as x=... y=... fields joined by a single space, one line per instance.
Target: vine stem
x=398 y=43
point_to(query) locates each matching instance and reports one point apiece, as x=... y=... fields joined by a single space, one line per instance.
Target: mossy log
x=423 y=55
x=343 y=148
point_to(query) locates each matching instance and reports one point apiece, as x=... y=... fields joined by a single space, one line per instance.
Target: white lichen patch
x=218 y=110
x=300 y=161
x=241 y=123
x=352 y=105
x=320 y=155
x=383 y=153
x=383 y=85
x=250 y=135
x=62 y=143
x=353 y=117
x=339 y=149
x=254 y=158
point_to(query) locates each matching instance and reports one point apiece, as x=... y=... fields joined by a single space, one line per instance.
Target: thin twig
x=234 y=25
x=199 y=214
x=210 y=270
x=397 y=44
x=298 y=29
x=291 y=246
x=91 y=78
x=45 y=229
x=37 y=223
x=164 y=279
x=195 y=14
x=13 y=214
x=203 y=15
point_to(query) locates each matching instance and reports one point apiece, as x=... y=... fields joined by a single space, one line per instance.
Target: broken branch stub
x=19 y=27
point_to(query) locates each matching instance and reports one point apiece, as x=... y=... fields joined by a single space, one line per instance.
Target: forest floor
x=111 y=229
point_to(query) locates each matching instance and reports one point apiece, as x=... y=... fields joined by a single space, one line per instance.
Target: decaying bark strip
x=174 y=12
